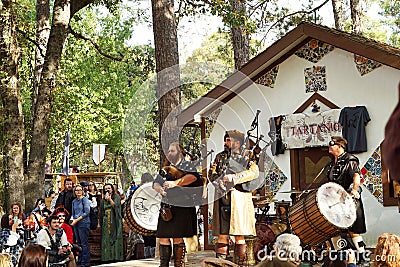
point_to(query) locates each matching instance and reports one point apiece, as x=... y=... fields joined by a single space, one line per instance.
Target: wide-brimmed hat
x=60 y=210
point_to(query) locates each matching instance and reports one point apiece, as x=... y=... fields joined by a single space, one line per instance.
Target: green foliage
x=260 y=17
x=391 y=18
x=94 y=91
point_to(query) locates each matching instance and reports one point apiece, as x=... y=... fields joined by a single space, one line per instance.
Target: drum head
x=145 y=206
x=336 y=205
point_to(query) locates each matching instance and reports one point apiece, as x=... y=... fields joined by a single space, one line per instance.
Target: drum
x=322 y=214
x=265 y=239
x=142 y=209
x=282 y=210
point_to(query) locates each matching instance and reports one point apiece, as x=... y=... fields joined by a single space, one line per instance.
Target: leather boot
x=179 y=254
x=221 y=250
x=165 y=255
x=240 y=254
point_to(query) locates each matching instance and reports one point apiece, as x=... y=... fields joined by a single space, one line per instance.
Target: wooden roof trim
x=280 y=51
x=344 y=41
x=312 y=98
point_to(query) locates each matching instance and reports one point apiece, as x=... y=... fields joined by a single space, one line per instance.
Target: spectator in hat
x=61 y=214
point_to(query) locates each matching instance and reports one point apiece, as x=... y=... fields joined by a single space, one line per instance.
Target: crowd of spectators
x=39 y=237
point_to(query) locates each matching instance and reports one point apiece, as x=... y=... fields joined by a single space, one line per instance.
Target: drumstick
x=340 y=201
x=335 y=204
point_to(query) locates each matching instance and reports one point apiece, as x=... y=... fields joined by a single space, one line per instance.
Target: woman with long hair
x=18 y=215
x=111 y=224
x=80 y=222
x=16 y=211
x=36 y=220
x=11 y=241
x=33 y=255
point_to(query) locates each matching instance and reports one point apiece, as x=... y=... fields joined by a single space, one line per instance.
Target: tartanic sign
x=302 y=130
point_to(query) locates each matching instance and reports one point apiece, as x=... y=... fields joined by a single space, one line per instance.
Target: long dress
x=111 y=228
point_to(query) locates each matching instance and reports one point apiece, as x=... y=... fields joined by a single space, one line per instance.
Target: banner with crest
x=301 y=130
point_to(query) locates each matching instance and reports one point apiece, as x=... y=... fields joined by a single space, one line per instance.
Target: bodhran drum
x=142 y=210
x=322 y=214
x=266 y=233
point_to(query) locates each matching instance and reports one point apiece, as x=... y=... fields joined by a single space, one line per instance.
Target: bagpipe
x=193 y=194
x=250 y=153
x=193 y=158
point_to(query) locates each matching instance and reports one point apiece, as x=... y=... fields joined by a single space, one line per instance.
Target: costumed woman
x=111 y=225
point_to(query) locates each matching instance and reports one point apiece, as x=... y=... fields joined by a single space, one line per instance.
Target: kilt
x=183 y=223
x=359 y=226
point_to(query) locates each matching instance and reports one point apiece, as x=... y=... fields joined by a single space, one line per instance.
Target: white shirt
x=92 y=199
x=43 y=239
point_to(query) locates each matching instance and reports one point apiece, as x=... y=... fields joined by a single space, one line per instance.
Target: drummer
x=344 y=170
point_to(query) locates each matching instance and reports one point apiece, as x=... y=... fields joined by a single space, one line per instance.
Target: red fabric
x=391 y=144
x=69 y=232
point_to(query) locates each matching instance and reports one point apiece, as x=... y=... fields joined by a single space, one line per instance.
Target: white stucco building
x=333 y=69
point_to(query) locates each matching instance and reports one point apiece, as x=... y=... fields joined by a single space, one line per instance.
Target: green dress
x=111 y=229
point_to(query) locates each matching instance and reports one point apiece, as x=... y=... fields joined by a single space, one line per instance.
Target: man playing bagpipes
x=233 y=206
x=180 y=185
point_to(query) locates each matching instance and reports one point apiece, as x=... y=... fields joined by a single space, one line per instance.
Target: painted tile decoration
x=365 y=65
x=211 y=238
x=269 y=78
x=314 y=50
x=372 y=175
x=315 y=79
x=210 y=121
x=274 y=177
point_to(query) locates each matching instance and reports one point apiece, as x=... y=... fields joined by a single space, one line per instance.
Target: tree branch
x=26 y=36
x=295 y=13
x=98 y=48
x=77 y=5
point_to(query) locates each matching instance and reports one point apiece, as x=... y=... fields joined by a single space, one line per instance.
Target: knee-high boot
x=221 y=250
x=179 y=254
x=240 y=254
x=165 y=255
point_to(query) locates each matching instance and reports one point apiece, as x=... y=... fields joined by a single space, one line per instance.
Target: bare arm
x=185 y=180
x=356 y=185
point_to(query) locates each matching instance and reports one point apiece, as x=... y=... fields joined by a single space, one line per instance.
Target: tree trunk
x=12 y=103
x=42 y=35
x=240 y=37
x=338 y=14
x=41 y=119
x=355 y=7
x=167 y=67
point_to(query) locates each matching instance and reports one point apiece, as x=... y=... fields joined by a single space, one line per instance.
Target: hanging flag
x=99 y=151
x=66 y=155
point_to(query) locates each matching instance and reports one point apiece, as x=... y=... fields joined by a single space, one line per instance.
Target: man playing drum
x=344 y=170
x=233 y=210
